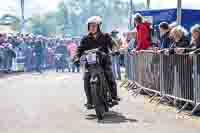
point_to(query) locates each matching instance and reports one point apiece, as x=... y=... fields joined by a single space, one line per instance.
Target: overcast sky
x=31 y=6
x=40 y=6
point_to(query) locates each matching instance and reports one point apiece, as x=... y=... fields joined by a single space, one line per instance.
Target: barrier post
x=196 y=60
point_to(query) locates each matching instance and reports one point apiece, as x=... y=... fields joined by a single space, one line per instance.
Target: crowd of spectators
x=34 y=53
x=171 y=37
x=175 y=46
x=173 y=41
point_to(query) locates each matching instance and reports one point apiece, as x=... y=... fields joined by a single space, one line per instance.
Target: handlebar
x=98 y=50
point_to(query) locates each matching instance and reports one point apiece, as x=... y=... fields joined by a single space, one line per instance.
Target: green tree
x=71 y=16
x=38 y=26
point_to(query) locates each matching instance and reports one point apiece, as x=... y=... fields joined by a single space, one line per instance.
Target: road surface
x=53 y=103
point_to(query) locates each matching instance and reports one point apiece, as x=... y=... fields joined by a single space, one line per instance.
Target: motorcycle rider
x=97 y=39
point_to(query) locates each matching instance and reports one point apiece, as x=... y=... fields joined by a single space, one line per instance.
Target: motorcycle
x=92 y=61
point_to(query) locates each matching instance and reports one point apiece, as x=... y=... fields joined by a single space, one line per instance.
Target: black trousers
x=109 y=77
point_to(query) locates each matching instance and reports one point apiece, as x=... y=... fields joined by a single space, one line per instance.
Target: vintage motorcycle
x=92 y=62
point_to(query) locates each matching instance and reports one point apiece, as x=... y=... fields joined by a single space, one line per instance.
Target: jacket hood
x=145 y=24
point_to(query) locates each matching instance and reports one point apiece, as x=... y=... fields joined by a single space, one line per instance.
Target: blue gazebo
x=189 y=17
x=185 y=17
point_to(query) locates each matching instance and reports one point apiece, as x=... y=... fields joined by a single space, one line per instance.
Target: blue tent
x=189 y=17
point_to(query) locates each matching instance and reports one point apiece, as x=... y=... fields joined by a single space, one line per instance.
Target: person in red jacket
x=143 y=35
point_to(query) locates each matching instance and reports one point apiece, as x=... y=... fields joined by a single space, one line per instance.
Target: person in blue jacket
x=165 y=40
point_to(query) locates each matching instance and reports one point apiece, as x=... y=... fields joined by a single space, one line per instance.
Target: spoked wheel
x=100 y=107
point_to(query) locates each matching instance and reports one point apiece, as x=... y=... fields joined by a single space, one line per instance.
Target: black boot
x=89 y=106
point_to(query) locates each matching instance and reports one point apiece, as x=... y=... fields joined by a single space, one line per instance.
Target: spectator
x=125 y=40
x=50 y=57
x=129 y=37
x=182 y=63
x=38 y=50
x=180 y=39
x=61 y=55
x=9 y=56
x=195 y=47
x=143 y=37
x=1 y=57
x=126 y=43
x=72 y=47
x=172 y=26
x=165 y=40
x=132 y=43
x=28 y=52
x=130 y=57
x=2 y=39
x=116 y=58
x=195 y=41
x=1 y=51
x=168 y=69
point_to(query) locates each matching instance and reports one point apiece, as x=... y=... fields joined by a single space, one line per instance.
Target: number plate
x=91 y=58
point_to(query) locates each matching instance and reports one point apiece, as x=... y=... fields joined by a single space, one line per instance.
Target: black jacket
x=102 y=41
x=194 y=47
x=184 y=42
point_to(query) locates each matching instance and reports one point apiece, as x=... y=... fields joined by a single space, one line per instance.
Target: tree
x=38 y=26
x=71 y=17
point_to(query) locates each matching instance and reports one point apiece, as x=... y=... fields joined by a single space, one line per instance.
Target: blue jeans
x=75 y=67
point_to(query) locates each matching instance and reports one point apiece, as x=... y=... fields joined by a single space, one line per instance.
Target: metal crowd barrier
x=175 y=78
x=196 y=68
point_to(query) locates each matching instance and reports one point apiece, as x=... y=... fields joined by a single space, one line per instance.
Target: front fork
x=105 y=94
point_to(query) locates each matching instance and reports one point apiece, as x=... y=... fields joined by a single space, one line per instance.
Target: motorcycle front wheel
x=100 y=106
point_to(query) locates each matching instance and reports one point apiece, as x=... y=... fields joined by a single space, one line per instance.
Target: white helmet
x=95 y=20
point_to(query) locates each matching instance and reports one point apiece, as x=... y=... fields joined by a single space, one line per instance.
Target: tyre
x=98 y=102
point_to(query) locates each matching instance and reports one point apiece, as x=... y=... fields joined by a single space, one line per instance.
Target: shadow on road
x=113 y=117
